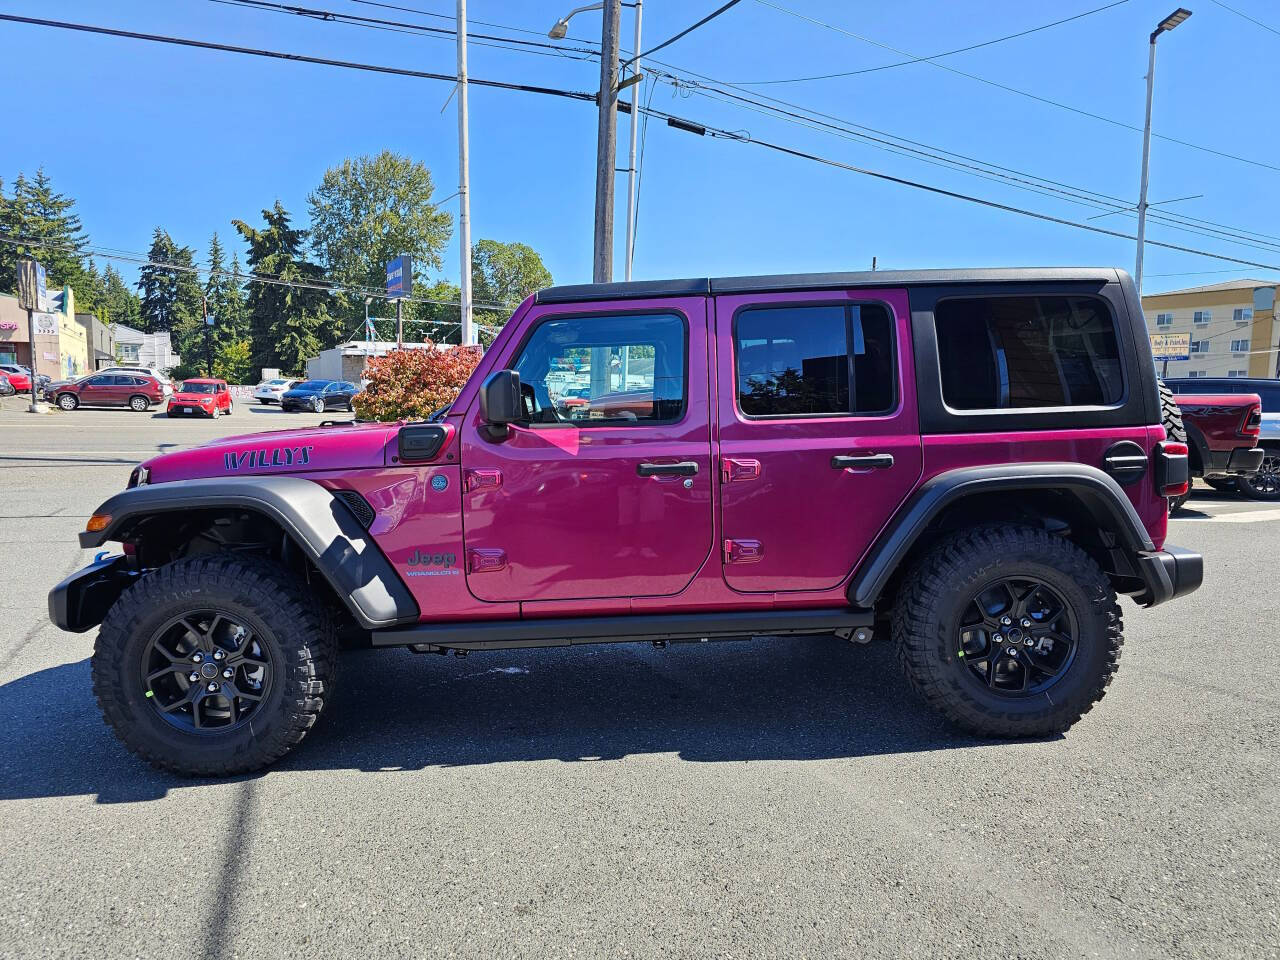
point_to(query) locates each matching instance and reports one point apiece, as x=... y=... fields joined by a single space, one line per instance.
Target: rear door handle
x=685 y=468
x=874 y=461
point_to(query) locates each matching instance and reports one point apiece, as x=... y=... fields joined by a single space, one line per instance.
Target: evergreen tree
x=119 y=303
x=158 y=285
x=285 y=322
x=225 y=297
x=42 y=224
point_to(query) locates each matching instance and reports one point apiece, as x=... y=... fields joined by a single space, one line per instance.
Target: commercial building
x=61 y=343
x=347 y=360
x=144 y=349
x=1232 y=328
x=101 y=341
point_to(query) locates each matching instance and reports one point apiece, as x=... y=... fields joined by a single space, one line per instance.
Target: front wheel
x=1008 y=631
x=68 y=401
x=215 y=665
x=1265 y=484
x=317 y=404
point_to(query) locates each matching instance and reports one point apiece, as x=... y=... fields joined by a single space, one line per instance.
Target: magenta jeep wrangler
x=968 y=463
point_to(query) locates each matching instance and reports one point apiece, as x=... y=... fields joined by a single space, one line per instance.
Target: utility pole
x=631 y=151
x=208 y=337
x=1168 y=23
x=399 y=326
x=464 y=182
x=606 y=142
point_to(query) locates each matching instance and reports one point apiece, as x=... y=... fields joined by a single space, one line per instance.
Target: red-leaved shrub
x=410 y=384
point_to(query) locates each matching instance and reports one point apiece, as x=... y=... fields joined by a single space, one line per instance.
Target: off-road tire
x=68 y=401
x=940 y=586
x=286 y=618
x=1174 y=429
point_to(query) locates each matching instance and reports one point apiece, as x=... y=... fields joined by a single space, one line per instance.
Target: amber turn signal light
x=98 y=522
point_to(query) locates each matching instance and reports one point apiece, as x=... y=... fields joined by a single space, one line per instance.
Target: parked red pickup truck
x=1222 y=437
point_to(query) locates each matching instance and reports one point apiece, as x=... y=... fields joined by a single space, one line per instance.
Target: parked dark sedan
x=319 y=396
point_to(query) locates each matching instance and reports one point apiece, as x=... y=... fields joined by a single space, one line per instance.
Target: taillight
x=1252 y=425
x=1172 y=468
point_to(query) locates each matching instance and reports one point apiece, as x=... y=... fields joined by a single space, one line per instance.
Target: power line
x=672 y=120
x=1245 y=16
x=685 y=32
x=297 y=57
x=1015 y=90
x=937 y=56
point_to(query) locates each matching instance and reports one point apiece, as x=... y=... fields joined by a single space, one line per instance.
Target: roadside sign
x=46 y=324
x=400 y=277
x=1171 y=346
x=42 y=290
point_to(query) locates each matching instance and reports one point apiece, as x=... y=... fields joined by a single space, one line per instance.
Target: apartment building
x=1232 y=327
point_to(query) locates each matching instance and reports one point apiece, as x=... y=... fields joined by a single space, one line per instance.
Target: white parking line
x=1243 y=516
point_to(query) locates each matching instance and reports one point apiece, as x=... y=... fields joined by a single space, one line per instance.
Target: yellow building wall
x=73 y=340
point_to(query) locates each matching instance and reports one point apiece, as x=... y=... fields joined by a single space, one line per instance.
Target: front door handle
x=685 y=468
x=874 y=461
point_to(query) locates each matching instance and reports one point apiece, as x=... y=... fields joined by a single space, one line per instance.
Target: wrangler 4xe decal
x=274 y=457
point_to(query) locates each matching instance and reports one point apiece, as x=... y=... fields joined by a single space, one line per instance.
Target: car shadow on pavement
x=803 y=698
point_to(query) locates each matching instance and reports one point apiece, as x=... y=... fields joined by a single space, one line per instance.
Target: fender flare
x=1101 y=494
x=1197 y=441
x=319 y=524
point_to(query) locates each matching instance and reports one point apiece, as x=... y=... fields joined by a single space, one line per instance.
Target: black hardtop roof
x=702 y=286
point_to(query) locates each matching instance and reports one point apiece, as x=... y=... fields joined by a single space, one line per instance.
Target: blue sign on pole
x=400 y=277
x=42 y=290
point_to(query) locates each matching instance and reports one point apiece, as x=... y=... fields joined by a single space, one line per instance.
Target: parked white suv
x=165 y=383
x=270 y=391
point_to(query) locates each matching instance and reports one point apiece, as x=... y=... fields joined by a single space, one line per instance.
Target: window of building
x=127 y=352
x=605 y=371
x=1196 y=374
x=1202 y=316
x=1164 y=319
x=1199 y=346
x=812 y=360
x=1237 y=373
x=1048 y=351
x=1242 y=315
x=1239 y=346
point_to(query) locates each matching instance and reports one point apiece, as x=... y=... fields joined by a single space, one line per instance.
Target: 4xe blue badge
x=439 y=482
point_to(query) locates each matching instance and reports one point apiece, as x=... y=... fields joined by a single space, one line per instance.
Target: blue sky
x=144 y=135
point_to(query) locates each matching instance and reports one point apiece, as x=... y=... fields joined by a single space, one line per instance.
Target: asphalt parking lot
x=771 y=798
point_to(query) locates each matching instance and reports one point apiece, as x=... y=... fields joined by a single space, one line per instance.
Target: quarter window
x=597 y=371
x=814 y=360
x=1014 y=352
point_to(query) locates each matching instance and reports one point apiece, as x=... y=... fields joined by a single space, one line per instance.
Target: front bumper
x=81 y=601
x=188 y=409
x=1168 y=573
x=1242 y=461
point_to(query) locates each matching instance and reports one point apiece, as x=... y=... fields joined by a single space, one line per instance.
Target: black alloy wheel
x=1017 y=637
x=205 y=672
x=1265 y=484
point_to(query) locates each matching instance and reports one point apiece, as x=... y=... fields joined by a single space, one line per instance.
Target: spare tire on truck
x=1171 y=418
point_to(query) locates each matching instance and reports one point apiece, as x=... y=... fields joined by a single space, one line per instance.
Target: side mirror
x=500 y=402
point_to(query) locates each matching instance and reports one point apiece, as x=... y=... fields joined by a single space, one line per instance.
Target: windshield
x=276 y=383
x=191 y=386
x=312 y=385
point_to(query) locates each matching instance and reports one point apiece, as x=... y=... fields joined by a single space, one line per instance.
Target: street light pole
x=631 y=149
x=464 y=181
x=606 y=143
x=1165 y=25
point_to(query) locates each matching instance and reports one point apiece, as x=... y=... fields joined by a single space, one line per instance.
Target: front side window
x=999 y=353
x=604 y=371
x=814 y=360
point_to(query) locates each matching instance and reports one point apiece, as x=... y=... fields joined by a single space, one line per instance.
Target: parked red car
x=203 y=395
x=109 y=390
x=19 y=379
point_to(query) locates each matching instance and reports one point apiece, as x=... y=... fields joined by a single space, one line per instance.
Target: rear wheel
x=215 y=665
x=1265 y=484
x=1008 y=631
x=139 y=403
x=68 y=401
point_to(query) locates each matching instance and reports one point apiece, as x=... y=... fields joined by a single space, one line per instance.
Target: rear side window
x=1001 y=353
x=814 y=360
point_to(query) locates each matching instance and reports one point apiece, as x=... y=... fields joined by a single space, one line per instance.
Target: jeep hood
x=279 y=451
